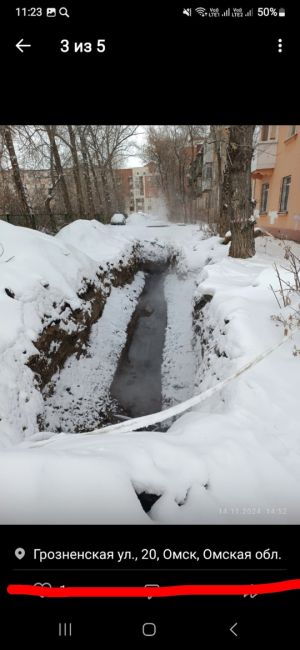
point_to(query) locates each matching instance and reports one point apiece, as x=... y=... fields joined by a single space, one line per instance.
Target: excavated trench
x=136 y=388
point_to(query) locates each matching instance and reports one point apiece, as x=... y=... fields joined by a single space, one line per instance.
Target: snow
x=234 y=458
x=178 y=367
x=101 y=243
x=118 y=219
x=57 y=486
x=43 y=272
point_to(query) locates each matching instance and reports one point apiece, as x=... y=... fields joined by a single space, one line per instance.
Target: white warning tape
x=146 y=420
x=153 y=418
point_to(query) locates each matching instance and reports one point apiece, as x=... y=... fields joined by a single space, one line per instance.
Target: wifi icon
x=201 y=11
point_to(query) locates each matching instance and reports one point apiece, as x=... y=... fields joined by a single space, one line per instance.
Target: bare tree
x=68 y=169
x=239 y=156
x=6 y=132
x=76 y=169
x=216 y=136
x=51 y=132
x=48 y=204
x=224 y=220
x=108 y=145
x=172 y=148
x=97 y=185
x=86 y=172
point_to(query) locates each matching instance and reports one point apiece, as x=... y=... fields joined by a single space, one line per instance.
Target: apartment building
x=276 y=180
x=140 y=188
x=206 y=174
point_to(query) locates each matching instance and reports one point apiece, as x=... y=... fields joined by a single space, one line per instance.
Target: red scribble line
x=153 y=592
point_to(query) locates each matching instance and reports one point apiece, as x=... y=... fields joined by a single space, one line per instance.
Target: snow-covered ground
x=233 y=459
x=178 y=367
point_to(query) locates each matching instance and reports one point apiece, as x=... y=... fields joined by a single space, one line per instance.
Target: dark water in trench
x=136 y=387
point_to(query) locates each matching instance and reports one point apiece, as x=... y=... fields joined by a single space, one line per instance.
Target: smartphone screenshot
x=149 y=324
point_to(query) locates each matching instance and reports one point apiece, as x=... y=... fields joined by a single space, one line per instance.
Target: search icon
x=64 y=12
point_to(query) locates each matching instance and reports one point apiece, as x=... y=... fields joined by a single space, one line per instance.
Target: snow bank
x=102 y=243
x=39 y=273
x=65 y=488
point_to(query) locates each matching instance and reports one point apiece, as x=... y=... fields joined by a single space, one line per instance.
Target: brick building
x=140 y=188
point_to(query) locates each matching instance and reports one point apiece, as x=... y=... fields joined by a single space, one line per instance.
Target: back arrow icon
x=232 y=629
x=20 y=45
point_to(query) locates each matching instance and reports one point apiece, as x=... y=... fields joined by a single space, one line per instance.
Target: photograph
x=149 y=333
x=149 y=325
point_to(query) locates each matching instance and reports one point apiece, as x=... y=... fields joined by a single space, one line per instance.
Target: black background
x=259 y=620
x=159 y=66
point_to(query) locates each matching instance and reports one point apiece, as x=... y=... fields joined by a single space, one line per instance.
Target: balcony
x=264 y=159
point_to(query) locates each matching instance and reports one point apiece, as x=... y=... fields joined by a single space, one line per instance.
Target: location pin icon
x=19 y=553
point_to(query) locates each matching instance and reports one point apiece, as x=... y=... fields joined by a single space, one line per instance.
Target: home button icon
x=149 y=629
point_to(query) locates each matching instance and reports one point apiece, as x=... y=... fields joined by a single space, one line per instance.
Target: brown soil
x=94 y=295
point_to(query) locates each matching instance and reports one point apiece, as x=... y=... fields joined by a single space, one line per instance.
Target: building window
x=268 y=132
x=292 y=130
x=272 y=132
x=264 y=197
x=284 y=194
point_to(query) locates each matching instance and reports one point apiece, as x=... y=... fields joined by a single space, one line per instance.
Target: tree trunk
x=20 y=188
x=76 y=170
x=59 y=169
x=96 y=185
x=48 y=205
x=52 y=168
x=86 y=173
x=222 y=183
x=239 y=156
x=115 y=188
x=107 y=197
x=242 y=240
x=104 y=180
x=51 y=215
x=224 y=221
